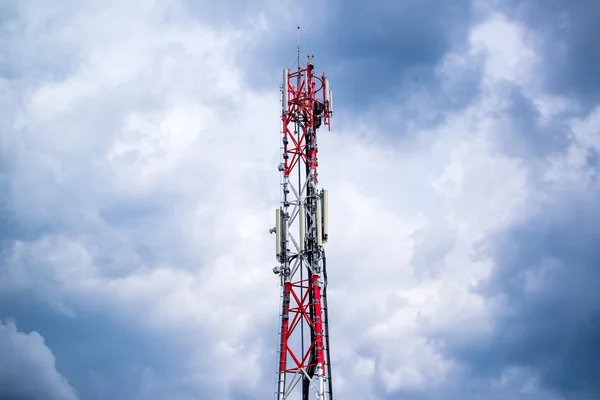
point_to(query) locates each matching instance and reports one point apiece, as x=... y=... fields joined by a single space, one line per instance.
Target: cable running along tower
x=301 y=228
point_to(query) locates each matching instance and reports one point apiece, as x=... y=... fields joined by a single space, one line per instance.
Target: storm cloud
x=138 y=176
x=567 y=40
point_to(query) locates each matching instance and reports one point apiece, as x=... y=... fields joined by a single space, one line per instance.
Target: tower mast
x=301 y=228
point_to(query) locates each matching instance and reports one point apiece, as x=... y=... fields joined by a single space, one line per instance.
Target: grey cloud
x=380 y=45
x=568 y=33
x=527 y=134
x=433 y=243
x=407 y=56
x=27 y=368
x=545 y=280
x=375 y=52
x=226 y=12
x=104 y=355
x=471 y=388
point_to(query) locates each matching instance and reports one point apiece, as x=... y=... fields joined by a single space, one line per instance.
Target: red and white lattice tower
x=300 y=230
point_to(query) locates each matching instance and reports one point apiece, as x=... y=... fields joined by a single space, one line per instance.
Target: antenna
x=298 y=49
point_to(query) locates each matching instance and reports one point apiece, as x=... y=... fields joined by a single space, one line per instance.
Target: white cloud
x=27 y=367
x=508 y=50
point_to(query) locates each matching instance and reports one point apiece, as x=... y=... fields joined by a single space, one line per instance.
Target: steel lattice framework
x=301 y=229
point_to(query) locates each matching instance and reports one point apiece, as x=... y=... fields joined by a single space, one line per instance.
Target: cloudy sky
x=139 y=143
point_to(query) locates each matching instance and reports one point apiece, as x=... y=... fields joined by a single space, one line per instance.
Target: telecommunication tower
x=301 y=228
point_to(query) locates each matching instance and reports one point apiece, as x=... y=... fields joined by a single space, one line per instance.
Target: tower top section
x=306 y=105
